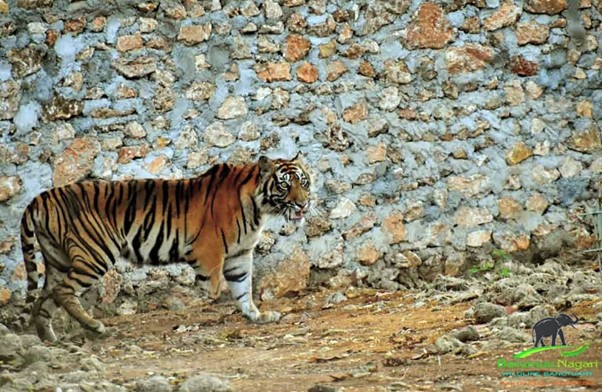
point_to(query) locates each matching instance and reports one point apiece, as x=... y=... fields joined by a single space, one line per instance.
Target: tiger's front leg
x=238 y=272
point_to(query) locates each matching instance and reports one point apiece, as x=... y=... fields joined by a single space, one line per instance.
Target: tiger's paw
x=96 y=326
x=268 y=317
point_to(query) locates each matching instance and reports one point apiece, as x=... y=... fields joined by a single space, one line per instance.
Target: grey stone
x=205 y=383
x=466 y=334
x=447 y=344
x=153 y=384
x=484 y=312
x=217 y=135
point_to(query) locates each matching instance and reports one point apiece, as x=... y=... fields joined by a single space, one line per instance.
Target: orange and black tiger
x=211 y=222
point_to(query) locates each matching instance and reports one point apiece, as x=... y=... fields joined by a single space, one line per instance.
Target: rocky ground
x=448 y=336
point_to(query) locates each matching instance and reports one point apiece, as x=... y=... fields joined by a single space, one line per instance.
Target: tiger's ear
x=265 y=164
x=297 y=157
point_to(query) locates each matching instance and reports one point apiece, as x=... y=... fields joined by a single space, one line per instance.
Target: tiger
x=212 y=222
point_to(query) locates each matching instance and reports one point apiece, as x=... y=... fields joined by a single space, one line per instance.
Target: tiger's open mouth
x=295 y=212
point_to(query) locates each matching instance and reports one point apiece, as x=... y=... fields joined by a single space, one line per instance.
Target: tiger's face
x=286 y=189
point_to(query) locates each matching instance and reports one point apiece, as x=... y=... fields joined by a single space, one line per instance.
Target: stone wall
x=436 y=131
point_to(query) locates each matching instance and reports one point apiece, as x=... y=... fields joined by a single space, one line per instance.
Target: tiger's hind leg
x=84 y=273
x=42 y=312
x=45 y=306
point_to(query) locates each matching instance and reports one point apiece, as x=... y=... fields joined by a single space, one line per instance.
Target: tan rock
x=136 y=68
x=409 y=259
x=307 y=73
x=509 y=208
x=570 y=167
x=128 y=154
x=111 y=143
x=272 y=9
x=111 y=286
x=248 y=132
x=156 y=165
x=124 y=91
x=51 y=37
x=5 y=294
x=469 y=186
x=584 y=108
x=327 y=50
x=587 y=141
x=356 y=113
x=75 y=26
x=10 y=96
x=200 y=91
x=596 y=166
x=217 y=135
x=366 y=69
x=249 y=9
x=534 y=90
x=468 y=58
x=10 y=186
x=98 y=24
x=343 y=209
x=518 y=153
x=76 y=161
x=335 y=70
x=129 y=42
x=511 y=242
x=523 y=67
x=197 y=159
x=478 y=238
x=537 y=203
x=296 y=47
x=232 y=74
x=506 y=15
x=429 y=28
x=471 y=217
x=345 y=35
x=580 y=74
x=550 y=7
x=109 y=112
x=397 y=72
x=376 y=153
x=3 y=10
x=354 y=51
x=25 y=61
x=267 y=45
x=543 y=176
x=135 y=130
x=367 y=254
x=472 y=25
x=273 y=72
x=515 y=94
x=531 y=33
x=175 y=11
x=394 y=227
x=233 y=107
x=148 y=25
x=194 y=34
x=290 y=277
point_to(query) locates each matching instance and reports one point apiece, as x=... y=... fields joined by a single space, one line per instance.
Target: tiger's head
x=285 y=188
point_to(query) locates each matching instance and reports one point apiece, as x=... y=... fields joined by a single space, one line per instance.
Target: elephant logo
x=552 y=327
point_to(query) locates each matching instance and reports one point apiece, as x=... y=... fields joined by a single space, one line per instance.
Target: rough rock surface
x=425 y=123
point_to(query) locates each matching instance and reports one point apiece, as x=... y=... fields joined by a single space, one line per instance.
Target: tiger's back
x=212 y=222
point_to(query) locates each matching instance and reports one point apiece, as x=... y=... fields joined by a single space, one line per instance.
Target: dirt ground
x=373 y=341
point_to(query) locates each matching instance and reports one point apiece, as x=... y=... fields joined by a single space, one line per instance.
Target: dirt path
x=373 y=341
